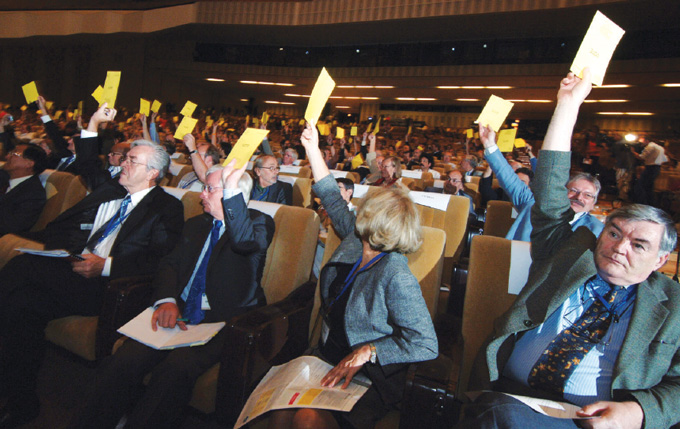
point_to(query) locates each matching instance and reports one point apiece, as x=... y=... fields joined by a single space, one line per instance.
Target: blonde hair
x=389 y=221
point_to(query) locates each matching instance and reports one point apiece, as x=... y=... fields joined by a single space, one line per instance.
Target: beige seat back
x=498 y=218
x=61 y=192
x=191 y=201
x=174 y=181
x=486 y=297
x=302 y=190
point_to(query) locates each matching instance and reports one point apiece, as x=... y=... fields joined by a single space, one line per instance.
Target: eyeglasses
x=116 y=153
x=450 y=179
x=586 y=195
x=133 y=160
x=19 y=154
x=277 y=168
x=211 y=188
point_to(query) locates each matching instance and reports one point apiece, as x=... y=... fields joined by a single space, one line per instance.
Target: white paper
x=287 y=179
x=411 y=174
x=338 y=174
x=290 y=169
x=430 y=199
x=60 y=253
x=139 y=329
x=439 y=184
x=558 y=410
x=520 y=261
x=297 y=384
x=360 y=191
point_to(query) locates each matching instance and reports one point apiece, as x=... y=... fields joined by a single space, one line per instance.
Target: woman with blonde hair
x=374 y=317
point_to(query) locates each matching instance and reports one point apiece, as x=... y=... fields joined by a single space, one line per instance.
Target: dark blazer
x=20 y=208
x=279 y=192
x=235 y=266
x=149 y=233
x=648 y=365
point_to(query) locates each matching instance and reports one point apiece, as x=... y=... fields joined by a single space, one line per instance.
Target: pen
x=182 y=319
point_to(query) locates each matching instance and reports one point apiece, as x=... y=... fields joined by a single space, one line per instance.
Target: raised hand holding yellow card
x=357 y=161
x=144 y=106
x=188 y=109
x=246 y=146
x=185 y=127
x=520 y=143
x=339 y=133
x=494 y=113
x=353 y=132
x=30 y=92
x=469 y=133
x=377 y=127
x=597 y=48
x=156 y=106
x=370 y=127
x=506 y=139
x=111 y=88
x=322 y=90
x=98 y=94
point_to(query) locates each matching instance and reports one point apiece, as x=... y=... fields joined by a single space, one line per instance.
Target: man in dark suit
x=120 y=230
x=224 y=285
x=595 y=325
x=22 y=196
x=267 y=187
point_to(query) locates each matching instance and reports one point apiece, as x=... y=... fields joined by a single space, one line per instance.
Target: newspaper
x=297 y=384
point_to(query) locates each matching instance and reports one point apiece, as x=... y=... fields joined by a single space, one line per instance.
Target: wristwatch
x=191 y=152
x=374 y=355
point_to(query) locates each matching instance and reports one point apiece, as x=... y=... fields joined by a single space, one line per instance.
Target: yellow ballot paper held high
x=98 y=94
x=185 y=127
x=353 y=131
x=322 y=90
x=469 y=133
x=144 y=106
x=111 y=88
x=597 y=48
x=494 y=113
x=246 y=146
x=30 y=92
x=370 y=127
x=357 y=161
x=49 y=104
x=520 y=143
x=377 y=127
x=188 y=109
x=506 y=139
x=156 y=106
x=339 y=133
x=80 y=107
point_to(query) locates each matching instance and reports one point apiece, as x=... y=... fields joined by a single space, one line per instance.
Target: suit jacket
x=149 y=233
x=648 y=365
x=236 y=263
x=20 y=208
x=279 y=192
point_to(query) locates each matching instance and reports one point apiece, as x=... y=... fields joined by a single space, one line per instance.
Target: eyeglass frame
x=588 y=196
x=272 y=168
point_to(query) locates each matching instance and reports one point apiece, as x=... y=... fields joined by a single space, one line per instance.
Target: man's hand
x=92 y=266
x=142 y=118
x=487 y=135
x=619 y=415
x=573 y=89
x=347 y=367
x=231 y=175
x=153 y=117
x=102 y=115
x=166 y=316
x=41 y=105
x=189 y=142
x=310 y=137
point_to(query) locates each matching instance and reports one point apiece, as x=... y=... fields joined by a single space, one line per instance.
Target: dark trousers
x=33 y=291
x=496 y=410
x=118 y=385
x=645 y=192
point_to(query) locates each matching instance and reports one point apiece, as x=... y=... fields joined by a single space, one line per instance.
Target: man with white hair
x=212 y=275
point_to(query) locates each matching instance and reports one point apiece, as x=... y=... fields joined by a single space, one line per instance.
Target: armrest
x=258 y=340
x=124 y=299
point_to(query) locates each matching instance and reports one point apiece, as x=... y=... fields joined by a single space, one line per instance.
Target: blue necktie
x=193 y=310
x=110 y=226
x=65 y=162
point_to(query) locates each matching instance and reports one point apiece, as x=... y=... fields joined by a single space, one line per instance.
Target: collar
x=13 y=183
x=139 y=195
x=577 y=216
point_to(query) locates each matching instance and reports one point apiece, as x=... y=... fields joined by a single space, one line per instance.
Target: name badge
x=204 y=302
x=86 y=226
x=324 y=331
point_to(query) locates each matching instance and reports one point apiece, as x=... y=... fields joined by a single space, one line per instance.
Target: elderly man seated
x=267 y=186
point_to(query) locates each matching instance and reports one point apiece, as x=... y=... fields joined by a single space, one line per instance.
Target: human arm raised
x=196 y=159
x=573 y=91
x=145 y=128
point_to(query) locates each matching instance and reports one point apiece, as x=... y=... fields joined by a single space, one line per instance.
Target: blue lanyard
x=264 y=194
x=611 y=309
x=353 y=275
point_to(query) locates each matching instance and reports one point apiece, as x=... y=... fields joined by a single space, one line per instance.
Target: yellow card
x=302 y=122
x=370 y=127
x=265 y=117
x=188 y=109
x=156 y=106
x=398 y=145
x=30 y=92
x=58 y=114
x=408 y=132
x=80 y=107
x=283 y=123
x=494 y=113
x=24 y=107
x=98 y=95
x=324 y=129
x=470 y=133
x=476 y=135
x=49 y=104
x=246 y=146
x=353 y=131
x=185 y=127
x=76 y=112
x=209 y=122
x=322 y=90
x=520 y=143
x=144 y=106
x=357 y=161
x=377 y=127
x=339 y=133
x=597 y=48
x=247 y=121
x=506 y=139
x=111 y=88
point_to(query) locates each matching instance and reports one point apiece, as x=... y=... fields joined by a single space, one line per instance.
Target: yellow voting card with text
x=597 y=48
x=506 y=139
x=30 y=92
x=322 y=90
x=111 y=88
x=144 y=106
x=156 y=106
x=185 y=127
x=494 y=113
x=246 y=146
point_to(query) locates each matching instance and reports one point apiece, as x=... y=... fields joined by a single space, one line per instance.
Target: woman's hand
x=347 y=367
x=310 y=137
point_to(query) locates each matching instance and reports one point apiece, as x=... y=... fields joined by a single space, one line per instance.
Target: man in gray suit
x=622 y=366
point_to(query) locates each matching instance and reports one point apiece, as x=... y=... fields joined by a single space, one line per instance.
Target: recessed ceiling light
x=472 y=87
x=467 y=99
x=448 y=87
x=406 y=98
x=539 y=101
x=244 y=99
x=214 y=79
x=621 y=85
x=254 y=82
x=671 y=85
x=610 y=113
x=342 y=107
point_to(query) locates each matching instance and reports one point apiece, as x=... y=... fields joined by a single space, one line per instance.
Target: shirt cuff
x=491 y=150
x=164 y=301
x=85 y=134
x=107 y=267
x=45 y=118
x=228 y=193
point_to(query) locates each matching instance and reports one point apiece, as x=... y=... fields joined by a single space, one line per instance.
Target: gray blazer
x=648 y=366
x=385 y=306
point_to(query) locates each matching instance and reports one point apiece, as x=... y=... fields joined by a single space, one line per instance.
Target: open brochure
x=558 y=410
x=139 y=329
x=60 y=253
x=297 y=384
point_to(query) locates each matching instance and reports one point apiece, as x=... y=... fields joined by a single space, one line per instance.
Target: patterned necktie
x=65 y=162
x=109 y=226
x=192 y=309
x=559 y=360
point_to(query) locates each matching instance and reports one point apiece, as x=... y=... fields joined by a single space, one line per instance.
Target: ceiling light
x=296 y=95
x=622 y=85
x=449 y=87
x=214 y=79
x=370 y=98
x=498 y=87
x=671 y=85
x=254 y=82
x=342 y=107
x=406 y=98
x=426 y=99
x=539 y=101
x=279 y=102
x=517 y=101
x=472 y=87
x=383 y=86
x=244 y=99
x=365 y=86
x=612 y=101
x=640 y=113
x=467 y=99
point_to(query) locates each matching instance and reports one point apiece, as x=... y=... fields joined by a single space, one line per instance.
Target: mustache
x=577 y=201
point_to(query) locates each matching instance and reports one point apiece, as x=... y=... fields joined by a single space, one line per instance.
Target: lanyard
x=611 y=308
x=264 y=194
x=353 y=275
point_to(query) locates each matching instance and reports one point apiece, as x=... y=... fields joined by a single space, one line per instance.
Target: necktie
x=65 y=162
x=559 y=360
x=192 y=309
x=109 y=226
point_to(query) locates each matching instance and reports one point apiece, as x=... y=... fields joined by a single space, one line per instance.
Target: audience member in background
x=453 y=185
x=116 y=158
x=426 y=163
x=290 y=157
x=203 y=156
x=22 y=196
x=267 y=186
x=653 y=155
